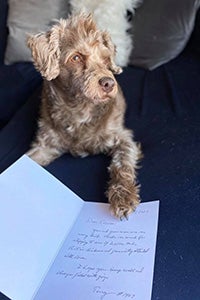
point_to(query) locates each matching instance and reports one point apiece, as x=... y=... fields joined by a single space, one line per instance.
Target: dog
x=82 y=108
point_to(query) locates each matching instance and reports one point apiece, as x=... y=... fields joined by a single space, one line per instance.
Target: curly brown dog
x=82 y=109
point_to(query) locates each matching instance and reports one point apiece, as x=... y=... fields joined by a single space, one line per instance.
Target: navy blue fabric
x=3 y=297
x=16 y=136
x=163 y=108
x=194 y=42
x=17 y=83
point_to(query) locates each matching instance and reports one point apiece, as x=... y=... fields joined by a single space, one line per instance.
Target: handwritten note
x=104 y=258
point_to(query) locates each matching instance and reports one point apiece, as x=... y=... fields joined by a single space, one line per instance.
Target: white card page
x=36 y=212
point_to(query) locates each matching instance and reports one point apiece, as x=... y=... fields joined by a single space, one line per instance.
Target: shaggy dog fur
x=82 y=110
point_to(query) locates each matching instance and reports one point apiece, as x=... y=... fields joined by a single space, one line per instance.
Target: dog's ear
x=46 y=52
x=109 y=44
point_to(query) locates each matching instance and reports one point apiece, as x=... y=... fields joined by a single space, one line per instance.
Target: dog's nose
x=107 y=84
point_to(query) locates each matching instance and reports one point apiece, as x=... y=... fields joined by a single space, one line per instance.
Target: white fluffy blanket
x=110 y=15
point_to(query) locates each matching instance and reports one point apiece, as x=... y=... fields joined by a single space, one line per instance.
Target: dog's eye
x=76 y=58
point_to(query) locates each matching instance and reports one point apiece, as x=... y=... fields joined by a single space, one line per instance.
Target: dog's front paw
x=38 y=156
x=123 y=199
x=43 y=155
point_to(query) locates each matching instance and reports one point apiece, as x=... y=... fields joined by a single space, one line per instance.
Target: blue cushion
x=16 y=136
x=163 y=109
x=17 y=83
x=194 y=42
x=3 y=297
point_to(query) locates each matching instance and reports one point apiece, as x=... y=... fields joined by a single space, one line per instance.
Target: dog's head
x=78 y=56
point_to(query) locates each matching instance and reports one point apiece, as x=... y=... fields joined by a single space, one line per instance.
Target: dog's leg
x=46 y=147
x=43 y=155
x=123 y=192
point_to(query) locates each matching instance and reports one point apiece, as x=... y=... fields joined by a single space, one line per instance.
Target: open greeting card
x=54 y=245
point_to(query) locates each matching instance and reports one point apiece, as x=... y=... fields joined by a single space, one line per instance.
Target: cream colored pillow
x=29 y=16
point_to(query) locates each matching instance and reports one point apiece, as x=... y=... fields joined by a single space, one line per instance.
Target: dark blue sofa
x=163 y=108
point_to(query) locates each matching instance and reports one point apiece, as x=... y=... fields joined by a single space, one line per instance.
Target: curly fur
x=82 y=109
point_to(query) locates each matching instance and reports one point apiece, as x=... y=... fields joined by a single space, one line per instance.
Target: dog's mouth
x=102 y=99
